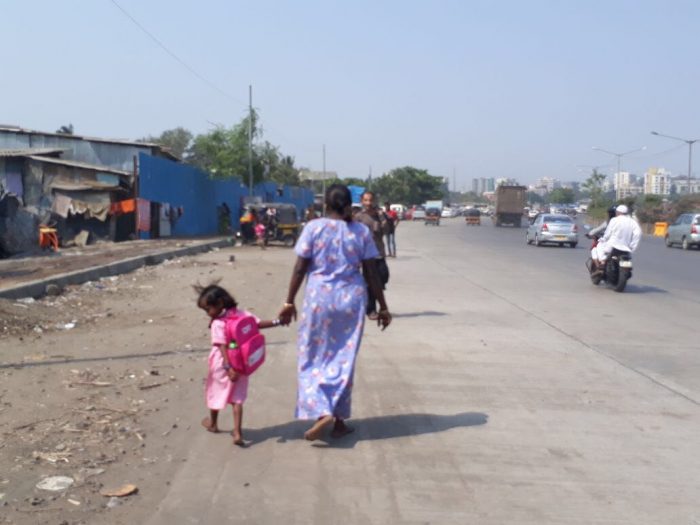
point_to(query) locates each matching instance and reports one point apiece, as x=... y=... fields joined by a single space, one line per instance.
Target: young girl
x=260 y=234
x=224 y=385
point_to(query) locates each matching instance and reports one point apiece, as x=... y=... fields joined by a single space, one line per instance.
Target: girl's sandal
x=317 y=428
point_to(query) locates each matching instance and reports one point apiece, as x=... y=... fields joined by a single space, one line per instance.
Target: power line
x=174 y=56
x=658 y=154
x=189 y=68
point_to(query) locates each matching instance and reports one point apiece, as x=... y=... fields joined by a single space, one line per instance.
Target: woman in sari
x=331 y=252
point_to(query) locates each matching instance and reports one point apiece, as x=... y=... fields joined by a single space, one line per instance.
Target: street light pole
x=690 y=152
x=619 y=155
x=250 y=140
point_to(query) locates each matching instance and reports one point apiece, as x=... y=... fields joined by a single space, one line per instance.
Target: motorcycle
x=617 y=270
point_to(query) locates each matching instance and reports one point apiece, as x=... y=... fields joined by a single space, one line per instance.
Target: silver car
x=552 y=228
x=685 y=231
x=419 y=213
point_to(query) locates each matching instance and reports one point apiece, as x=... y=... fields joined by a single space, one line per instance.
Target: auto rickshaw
x=473 y=217
x=281 y=222
x=432 y=216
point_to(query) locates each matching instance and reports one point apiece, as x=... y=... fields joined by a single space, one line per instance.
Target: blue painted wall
x=162 y=180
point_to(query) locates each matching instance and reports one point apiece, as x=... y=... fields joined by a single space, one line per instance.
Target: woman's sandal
x=317 y=428
x=338 y=433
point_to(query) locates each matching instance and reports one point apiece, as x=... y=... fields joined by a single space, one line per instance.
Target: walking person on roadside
x=376 y=220
x=393 y=222
x=331 y=252
x=224 y=385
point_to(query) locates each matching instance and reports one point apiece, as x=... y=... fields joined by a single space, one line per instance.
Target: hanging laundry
x=126 y=206
x=61 y=205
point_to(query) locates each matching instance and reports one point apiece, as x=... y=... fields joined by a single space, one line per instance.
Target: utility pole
x=324 y=180
x=250 y=140
x=454 y=179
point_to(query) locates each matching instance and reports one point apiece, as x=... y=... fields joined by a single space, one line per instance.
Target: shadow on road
x=644 y=289
x=372 y=428
x=428 y=313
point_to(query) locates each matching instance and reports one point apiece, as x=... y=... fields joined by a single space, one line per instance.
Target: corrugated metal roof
x=83 y=185
x=125 y=142
x=83 y=165
x=26 y=152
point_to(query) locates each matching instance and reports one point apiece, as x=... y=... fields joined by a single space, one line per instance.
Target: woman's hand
x=232 y=375
x=288 y=313
x=383 y=319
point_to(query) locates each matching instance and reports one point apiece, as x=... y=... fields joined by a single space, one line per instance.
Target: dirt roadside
x=103 y=384
x=42 y=264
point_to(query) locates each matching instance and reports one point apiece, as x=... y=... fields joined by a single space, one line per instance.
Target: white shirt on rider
x=622 y=233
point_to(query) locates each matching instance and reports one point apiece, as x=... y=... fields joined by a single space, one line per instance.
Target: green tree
x=648 y=208
x=223 y=151
x=600 y=202
x=534 y=198
x=685 y=204
x=408 y=185
x=562 y=196
x=176 y=140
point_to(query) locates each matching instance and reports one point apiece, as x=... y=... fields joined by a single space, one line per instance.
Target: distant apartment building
x=657 y=181
x=626 y=184
x=483 y=185
x=506 y=181
x=549 y=183
x=679 y=185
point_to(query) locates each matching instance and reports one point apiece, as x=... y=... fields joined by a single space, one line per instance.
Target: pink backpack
x=246 y=345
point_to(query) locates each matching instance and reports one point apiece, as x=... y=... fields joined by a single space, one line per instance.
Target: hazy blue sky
x=510 y=88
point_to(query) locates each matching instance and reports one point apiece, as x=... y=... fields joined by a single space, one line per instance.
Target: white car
x=448 y=213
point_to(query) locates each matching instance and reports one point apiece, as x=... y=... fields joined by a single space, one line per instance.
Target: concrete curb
x=37 y=288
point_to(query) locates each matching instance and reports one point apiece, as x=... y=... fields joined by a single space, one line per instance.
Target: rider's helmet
x=612 y=211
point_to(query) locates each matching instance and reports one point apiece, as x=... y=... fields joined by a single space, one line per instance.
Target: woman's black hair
x=339 y=200
x=214 y=294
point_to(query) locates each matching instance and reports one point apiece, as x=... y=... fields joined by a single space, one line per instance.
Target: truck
x=433 y=204
x=510 y=203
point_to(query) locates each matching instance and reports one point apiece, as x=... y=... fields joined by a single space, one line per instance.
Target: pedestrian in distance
x=392 y=224
x=330 y=253
x=260 y=230
x=224 y=385
x=376 y=220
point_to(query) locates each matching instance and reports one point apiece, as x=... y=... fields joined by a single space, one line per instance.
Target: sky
x=520 y=89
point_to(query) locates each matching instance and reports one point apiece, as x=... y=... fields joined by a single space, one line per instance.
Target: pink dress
x=220 y=390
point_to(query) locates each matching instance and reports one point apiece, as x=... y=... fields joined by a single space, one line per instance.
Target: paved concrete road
x=508 y=390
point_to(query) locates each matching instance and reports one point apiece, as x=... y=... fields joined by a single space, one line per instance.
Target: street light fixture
x=690 y=152
x=619 y=155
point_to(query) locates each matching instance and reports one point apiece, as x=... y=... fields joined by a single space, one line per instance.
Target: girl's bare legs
x=237 y=424
x=210 y=422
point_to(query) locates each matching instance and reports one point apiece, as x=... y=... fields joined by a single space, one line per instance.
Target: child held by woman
x=224 y=384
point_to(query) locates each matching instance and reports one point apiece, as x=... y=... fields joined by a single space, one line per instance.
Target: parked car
x=418 y=214
x=552 y=228
x=685 y=231
x=448 y=213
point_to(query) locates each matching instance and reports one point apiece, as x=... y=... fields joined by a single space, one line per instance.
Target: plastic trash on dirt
x=55 y=483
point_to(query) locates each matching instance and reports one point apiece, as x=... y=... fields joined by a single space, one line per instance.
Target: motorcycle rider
x=622 y=233
x=598 y=231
